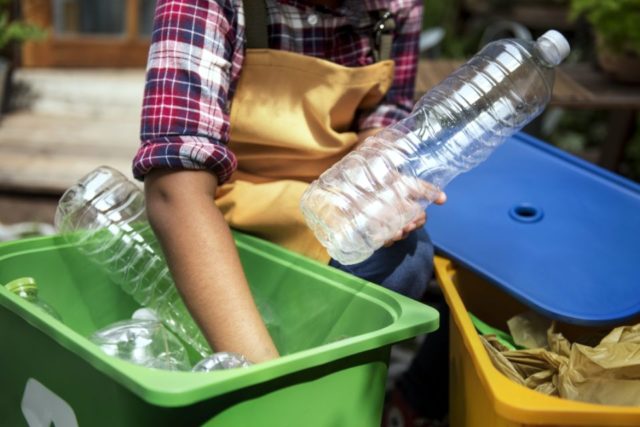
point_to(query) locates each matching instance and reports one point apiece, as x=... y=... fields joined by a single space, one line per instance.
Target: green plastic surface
x=333 y=330
x=484 y=329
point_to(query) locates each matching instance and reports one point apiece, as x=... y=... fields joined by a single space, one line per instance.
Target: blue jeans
x=404 y=267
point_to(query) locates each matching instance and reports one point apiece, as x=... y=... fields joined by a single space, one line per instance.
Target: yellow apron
x=290 y=121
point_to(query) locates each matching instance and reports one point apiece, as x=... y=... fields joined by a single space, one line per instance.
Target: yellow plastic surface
x=480 y=396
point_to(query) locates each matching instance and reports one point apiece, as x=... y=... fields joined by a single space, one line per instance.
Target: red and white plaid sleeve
x=194 y=59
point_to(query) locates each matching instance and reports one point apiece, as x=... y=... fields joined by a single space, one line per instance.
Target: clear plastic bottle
x=366 y=198
x=145 y=341
x=103 y=214
x=221 y=361
x=27 y=288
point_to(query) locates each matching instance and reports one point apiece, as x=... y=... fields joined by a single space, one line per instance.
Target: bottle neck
x=546 y=58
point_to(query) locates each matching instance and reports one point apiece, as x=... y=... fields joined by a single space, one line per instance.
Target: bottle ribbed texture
x=104 y=216
x=367 y=197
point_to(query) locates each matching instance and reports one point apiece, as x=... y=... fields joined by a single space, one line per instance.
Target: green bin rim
x=172 y=389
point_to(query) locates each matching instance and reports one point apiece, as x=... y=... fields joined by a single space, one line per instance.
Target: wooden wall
x=83 y=50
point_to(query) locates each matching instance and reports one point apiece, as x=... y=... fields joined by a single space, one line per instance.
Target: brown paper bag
x=608 y=373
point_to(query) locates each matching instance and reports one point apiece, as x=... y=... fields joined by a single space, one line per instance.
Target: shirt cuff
x=380 y=117
x=184 y=152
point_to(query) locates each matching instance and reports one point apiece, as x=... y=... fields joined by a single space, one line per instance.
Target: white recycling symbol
x=41 y=407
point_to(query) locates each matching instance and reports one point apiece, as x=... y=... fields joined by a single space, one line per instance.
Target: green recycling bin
x=333 y=330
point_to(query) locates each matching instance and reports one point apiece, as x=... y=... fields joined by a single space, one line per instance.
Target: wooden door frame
x=83 y=50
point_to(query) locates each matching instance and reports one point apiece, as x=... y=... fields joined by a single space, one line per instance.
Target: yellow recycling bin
x=481 y=396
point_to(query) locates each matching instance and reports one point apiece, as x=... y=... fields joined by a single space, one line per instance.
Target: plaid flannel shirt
x=196 y=56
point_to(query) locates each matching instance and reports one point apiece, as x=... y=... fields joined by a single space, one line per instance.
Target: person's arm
x=204 y=262
x=195 y=57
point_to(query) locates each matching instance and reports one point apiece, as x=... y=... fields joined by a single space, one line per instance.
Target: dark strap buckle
x=383 y=33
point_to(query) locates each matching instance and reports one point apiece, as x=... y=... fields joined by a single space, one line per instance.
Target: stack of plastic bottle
x=104 y=215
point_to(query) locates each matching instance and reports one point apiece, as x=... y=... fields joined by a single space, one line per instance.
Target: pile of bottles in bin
x=143 y=340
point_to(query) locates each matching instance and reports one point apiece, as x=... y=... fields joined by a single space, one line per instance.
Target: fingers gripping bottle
x=367 y=197
x=103 y=214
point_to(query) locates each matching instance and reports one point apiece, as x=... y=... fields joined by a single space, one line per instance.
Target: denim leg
x=404 y=267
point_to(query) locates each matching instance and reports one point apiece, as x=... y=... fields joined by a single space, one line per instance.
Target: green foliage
x=576 y=131
x=616 y=21
x=15 y=31
x=460 y=41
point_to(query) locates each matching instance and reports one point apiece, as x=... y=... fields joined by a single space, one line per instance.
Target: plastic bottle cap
x=555 y=39
x=24 y=283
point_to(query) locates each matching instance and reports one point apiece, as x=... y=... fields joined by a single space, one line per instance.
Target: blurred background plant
x=616 y=29
x=12 y=32
x=616 y=22
x=468 y=24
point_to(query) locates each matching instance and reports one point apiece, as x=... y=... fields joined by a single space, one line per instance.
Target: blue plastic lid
x=559 y=234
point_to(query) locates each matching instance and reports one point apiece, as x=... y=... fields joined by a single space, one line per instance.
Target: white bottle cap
x=553 y=47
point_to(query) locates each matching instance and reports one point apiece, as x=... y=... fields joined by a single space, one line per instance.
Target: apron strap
x=256 y=24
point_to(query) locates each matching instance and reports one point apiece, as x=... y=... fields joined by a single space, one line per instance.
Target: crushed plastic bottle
x=27 y=288
x=362 y=201
x=103 y=214
x=144 y=341
x=221 y=361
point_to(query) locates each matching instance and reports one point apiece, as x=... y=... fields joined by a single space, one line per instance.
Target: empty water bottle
x=366 y=198
x=144 y=341
x=27 y=288
x=104 y=216
x=221 y=361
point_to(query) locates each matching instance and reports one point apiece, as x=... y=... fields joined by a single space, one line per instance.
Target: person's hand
x=422 y=191
x=416 y=223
